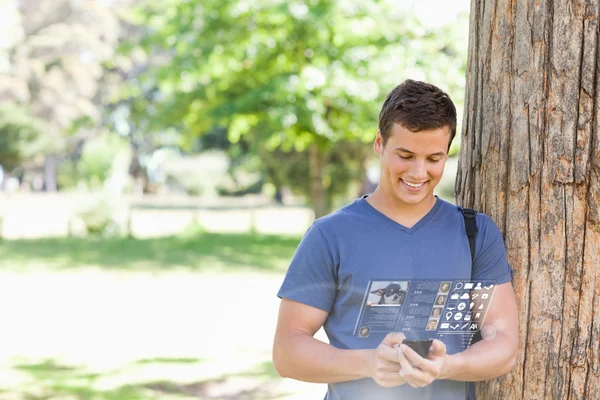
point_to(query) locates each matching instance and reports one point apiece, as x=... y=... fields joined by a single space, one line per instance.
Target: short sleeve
x=311 y=277
x=490 y=253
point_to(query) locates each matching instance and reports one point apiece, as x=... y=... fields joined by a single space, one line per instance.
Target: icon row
x=473 y=286
x=466 y=296
x=463 y=306
x=460 y=326
x=459 y=316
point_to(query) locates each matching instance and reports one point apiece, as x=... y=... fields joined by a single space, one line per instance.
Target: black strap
x=469 y=216
x=471 y=227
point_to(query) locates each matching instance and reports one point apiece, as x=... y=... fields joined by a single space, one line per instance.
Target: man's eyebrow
x=439 y=153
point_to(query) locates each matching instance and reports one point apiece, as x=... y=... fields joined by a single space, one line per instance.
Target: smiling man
x=400 y=233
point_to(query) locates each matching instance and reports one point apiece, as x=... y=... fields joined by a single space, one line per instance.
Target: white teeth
x=413 y=185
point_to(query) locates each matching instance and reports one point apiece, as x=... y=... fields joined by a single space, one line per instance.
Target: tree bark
x=317 y=191
x=530 y=159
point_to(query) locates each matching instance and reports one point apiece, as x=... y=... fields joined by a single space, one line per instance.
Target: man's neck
x=405 y=214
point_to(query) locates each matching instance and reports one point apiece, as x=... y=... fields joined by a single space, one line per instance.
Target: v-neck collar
x=395 y=224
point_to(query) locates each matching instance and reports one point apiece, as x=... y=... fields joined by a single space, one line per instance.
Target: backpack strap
x=469 y=216
x=471 y=227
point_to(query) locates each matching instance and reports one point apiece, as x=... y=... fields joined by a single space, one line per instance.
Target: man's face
x=412 y=163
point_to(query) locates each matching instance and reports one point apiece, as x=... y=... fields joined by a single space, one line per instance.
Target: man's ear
x=378 y=144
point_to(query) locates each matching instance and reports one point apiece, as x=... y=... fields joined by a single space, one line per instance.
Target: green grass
x=51 y=380
x=204 y=252
x=151 y=374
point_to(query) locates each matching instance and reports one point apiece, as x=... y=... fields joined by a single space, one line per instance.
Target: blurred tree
x=101 y=157
x=19 y=135
x=130 y=103
x=287 y=75
x=51 y=60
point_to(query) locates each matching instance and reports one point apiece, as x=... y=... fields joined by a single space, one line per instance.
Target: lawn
x=205 y=252
x=183 y=317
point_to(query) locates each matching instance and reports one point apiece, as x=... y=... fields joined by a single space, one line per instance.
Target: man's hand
x=418 y=371
x=383 y=365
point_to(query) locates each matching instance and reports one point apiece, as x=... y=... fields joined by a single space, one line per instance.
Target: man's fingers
x=403 y=361
x=394 y=338
x=388 y=366
x=413 y=376
x=398 y=364
x=390 y=380
x=412 y=356
x=418 y=362
x=388 y=353
x=438 y=348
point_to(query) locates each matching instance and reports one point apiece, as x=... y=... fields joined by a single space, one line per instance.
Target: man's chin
x=410 y=200
x=413 y=198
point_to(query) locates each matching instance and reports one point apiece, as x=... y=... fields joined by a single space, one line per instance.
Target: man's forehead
x=422 y=142
x=405 y=150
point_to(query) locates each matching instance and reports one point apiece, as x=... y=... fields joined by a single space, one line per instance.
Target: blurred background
x=159 y=162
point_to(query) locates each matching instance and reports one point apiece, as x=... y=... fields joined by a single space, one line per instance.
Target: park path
x=111 y=319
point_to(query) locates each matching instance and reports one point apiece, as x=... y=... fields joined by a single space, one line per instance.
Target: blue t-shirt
x=343 y=253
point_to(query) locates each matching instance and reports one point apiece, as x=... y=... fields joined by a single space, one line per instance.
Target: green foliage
x=101 y=157
x=282 y=75
x=67 y=176
x=51 y=58
x=345 y=165
x=103 y=215
x=244 y=175
x=195 y=189
x=307 y=71
x=98 y=157
x=197 y=175
x=19 y=134
x=284 y=64
x=96 y=216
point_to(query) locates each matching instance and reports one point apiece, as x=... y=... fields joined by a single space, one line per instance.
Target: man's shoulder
x=448 y=208
x=486 y=225
x=341 y=217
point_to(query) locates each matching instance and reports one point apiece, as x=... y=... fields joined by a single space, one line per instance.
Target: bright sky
x=438 y=12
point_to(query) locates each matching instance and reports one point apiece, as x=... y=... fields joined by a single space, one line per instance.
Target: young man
x=401 y=232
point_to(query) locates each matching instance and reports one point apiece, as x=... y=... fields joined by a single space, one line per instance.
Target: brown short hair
x=417 y=106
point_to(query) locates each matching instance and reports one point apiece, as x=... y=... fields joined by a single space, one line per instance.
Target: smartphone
x=421 y=347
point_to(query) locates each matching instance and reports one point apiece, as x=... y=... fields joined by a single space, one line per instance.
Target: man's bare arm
x=496 y=354
x=298 y=355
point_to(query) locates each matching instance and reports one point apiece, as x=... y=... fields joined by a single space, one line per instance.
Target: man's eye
x=404 y=157
x=434 y=160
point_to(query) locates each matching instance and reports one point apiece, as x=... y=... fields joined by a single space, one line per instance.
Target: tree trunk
x=317 y=191
x=530 y=159
x=50 y=171
x=278 y=196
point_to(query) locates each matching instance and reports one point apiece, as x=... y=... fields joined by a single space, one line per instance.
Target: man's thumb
x=438 y=348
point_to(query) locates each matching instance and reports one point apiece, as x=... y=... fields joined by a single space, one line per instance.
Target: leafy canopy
x=289 y=72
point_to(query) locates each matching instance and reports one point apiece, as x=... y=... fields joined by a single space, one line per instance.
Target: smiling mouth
x=413 y=185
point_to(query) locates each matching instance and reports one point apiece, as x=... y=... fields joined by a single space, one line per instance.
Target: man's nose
x=418 y=170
